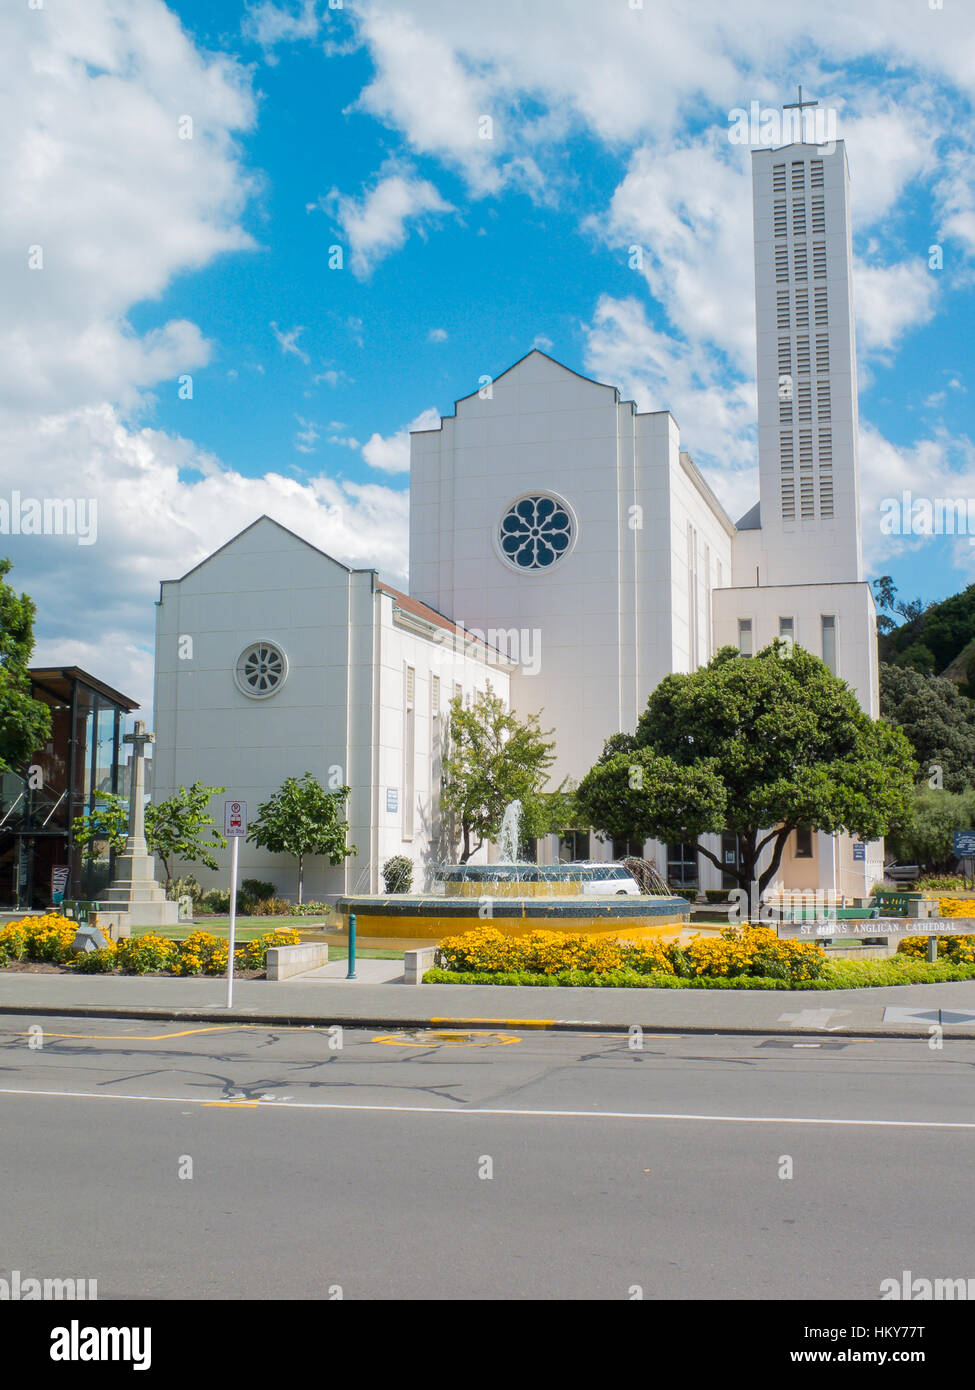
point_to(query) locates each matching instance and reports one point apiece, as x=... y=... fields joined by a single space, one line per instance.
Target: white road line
x=488 y=1113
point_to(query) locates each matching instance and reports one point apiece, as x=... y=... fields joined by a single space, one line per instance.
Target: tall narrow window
x=787 y=631
x=745 y=636
x=409 y=749
x=829 y=640
x=692 y=597
x=804 y=847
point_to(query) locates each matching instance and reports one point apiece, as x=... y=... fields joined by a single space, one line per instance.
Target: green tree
x=756 y=746
x=25 y=723
x=925 y=834
x=492 y=758
x=175 y=828
x=936 y=718
x=302 y=818
x=107 y=821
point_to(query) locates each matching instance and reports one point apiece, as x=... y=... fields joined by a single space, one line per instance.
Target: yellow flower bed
x=50 y=938
x=737 y=951
x=957 y=907
x=748 y=950
x=958 y=950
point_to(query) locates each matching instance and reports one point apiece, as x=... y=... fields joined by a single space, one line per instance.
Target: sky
x=244 y=248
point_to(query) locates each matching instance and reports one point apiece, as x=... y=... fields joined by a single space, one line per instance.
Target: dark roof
x=752 y=520
x=58 y=680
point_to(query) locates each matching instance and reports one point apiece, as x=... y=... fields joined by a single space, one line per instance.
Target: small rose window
x=261 y=670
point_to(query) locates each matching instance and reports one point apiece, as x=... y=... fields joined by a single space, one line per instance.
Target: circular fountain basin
x=430 y=917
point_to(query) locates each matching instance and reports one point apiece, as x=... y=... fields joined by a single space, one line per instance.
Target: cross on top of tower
x=799 y=105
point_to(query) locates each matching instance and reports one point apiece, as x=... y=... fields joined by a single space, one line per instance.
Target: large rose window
x=535 y=532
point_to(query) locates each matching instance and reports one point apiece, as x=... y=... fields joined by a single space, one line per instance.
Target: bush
x=44 y=938
x=690 y=894
x=270 y=907
x=717 y=895
x=187 y=886
x=216 y=900
x=310 y=909
x=257 y=889
x=100 y=962
x=398 y=874
x=253 y=955
x=143 y=955
x=940 y=883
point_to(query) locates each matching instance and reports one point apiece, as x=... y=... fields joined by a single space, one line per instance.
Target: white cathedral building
x=563 y=548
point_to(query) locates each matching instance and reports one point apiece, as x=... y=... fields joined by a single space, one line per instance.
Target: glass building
x=39 y=861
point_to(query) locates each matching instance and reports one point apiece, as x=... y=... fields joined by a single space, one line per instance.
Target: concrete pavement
x=886 y=1012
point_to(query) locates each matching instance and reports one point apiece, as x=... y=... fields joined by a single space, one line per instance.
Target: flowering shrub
x=139 y=955
x=253 y=955
x=48 y=937
x=755 y=951
x=957 y=907
x=737 y=952
x=99 y=962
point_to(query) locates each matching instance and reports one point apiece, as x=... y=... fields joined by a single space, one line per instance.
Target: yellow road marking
x=232 y=1104
x=504 y=1022
x=136 y=1037
x=469 y=1039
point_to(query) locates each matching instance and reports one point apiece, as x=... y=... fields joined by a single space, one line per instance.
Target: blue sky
x=360 y=126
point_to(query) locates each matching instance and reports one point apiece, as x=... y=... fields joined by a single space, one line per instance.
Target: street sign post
x=235 y=828
x=965 y=844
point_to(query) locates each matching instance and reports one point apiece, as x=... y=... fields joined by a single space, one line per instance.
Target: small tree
x=756 y=746
x=302 y=818
x=25 y=723
x=108 y=820
x=175 y=828
x=492 y=758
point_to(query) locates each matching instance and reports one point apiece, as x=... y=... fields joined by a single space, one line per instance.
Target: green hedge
x=839 y=974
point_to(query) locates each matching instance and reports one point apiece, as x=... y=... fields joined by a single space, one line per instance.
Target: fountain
x=518 y=898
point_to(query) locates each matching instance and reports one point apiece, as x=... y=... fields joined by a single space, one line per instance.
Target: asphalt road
x=509 y=1165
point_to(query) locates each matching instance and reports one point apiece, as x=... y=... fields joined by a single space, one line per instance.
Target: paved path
x=366 y=1002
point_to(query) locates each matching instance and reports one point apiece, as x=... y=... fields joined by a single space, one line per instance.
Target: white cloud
x=891 y=300
x=376 y=224
x=269 y=24
x=307 y=437
x=716 y=414
x=437 y=335
x=288 y=341
x=95 y=174
x=162 y=506
x=683 y=219
x=391 y=454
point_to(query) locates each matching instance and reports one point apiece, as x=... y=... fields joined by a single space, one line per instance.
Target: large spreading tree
x=302 y=818
x=754 y=746
x=938 y=720
x=25 y=723
x=493 y=758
